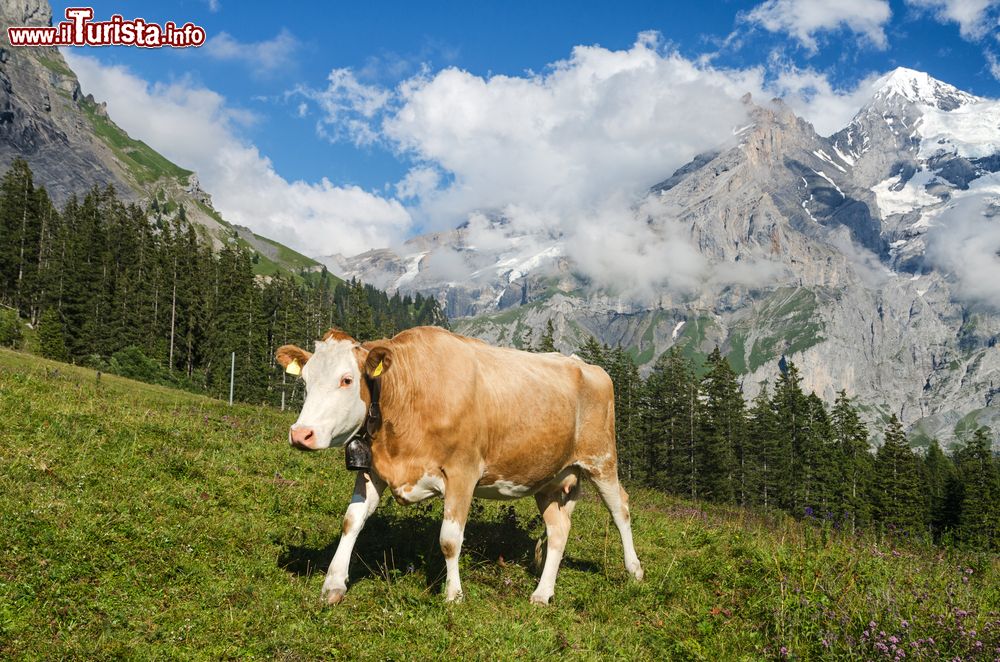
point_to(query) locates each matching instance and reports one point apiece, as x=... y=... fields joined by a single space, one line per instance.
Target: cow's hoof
x=539 y=599
x=637 y=572
x=333 y=596
x=456 y=598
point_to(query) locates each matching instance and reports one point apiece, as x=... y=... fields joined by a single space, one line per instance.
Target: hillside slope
x=72 y=145
x=137 y=521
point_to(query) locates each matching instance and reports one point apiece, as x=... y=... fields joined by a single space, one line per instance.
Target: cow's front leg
x=457 y=499
x=367 y=492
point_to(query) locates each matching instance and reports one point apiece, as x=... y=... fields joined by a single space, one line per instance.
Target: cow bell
x=358 y=454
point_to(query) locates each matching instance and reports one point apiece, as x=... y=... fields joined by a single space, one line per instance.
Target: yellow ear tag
x=378 y=370
x=294 y=368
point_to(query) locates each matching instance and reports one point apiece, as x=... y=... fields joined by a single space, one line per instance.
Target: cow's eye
x=346 y=380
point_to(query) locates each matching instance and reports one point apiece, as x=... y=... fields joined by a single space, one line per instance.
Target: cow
x=458 y=418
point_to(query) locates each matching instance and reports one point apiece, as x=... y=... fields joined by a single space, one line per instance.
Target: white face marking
x=425 y=488
x=333 y=408
x=503 y=489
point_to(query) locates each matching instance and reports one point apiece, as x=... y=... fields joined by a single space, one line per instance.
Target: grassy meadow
x=141 y=522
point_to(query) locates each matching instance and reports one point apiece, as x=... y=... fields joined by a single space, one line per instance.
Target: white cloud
x=347 y=106
x=811 y=96
x=803 y=20
x=964 y=241
x=214 y=6
x=975 y=18
x=597 y=124
x=568 y=153
x=263 y=57
x=994 y=64
x=193 y=127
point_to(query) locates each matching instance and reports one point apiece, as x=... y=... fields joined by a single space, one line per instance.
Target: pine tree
x=721 y=424
x=592 y=352
x=941 y=477
x=854 y=457
x=899 y=490
x=979 y=522
x=768 y=456
x=669 y=398
x=51 y=337
x=792 y=449
x=547 y=341
x=820 y=461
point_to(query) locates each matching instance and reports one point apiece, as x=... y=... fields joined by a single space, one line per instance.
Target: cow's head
x=336 y=392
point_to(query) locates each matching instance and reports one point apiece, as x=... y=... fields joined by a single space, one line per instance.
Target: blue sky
x=262 y=85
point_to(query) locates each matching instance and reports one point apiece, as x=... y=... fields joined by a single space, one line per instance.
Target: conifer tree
x=898 y=486
x=768 y=458
x=547 y=341
x=941 y=476
x=721 y=425
x=792 y=441
x=51 y=337
x=979 y=522
x=853 y=486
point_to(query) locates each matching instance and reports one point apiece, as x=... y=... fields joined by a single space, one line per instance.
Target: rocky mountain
x=838 y=252
x=72 y=144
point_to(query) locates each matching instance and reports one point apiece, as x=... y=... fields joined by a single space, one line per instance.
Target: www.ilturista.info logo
x=79 y=30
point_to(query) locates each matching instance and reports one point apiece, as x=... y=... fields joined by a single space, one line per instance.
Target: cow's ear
x=378 y=361
x=290 y=355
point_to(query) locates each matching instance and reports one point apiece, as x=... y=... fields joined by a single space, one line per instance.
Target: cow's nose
x=301 y=437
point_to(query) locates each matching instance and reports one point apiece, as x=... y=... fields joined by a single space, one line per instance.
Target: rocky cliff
x=72 y=144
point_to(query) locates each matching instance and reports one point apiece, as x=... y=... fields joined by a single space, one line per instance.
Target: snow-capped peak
x=919 y=87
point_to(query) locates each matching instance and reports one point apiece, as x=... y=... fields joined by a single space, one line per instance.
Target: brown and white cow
x=461 y=419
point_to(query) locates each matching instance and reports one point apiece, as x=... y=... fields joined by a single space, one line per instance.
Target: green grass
x=289 y=257
x=968 y=425
x=140 y=522
x=55 y=66
x=143 y=162
x=787 y=322
x=691 y=339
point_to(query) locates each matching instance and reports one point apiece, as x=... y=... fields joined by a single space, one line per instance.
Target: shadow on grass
x=391 y=545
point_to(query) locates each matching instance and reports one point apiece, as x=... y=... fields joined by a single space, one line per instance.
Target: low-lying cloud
x=964 y=242
x=570 y=152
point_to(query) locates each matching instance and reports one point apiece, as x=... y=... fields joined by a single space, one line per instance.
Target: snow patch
x=912 y=196
x=819 y=153
x=832 y=183
x=849 y=160
x=412 y=269
x=972 y=131
x=677 y=329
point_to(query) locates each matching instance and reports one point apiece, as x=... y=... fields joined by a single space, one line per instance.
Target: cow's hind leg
x=616 y=499
x=367 y=491
x=556 y=507
x=457 y=499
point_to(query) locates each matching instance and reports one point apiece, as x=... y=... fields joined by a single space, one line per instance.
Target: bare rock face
x=72 y=144
x=41 y=113
x=25 y=12
x=851 y=295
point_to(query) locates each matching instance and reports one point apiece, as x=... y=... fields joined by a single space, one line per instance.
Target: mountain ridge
x=823 y=249
x=72 y=144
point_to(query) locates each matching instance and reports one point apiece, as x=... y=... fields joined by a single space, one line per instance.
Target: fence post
x=232 y=375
